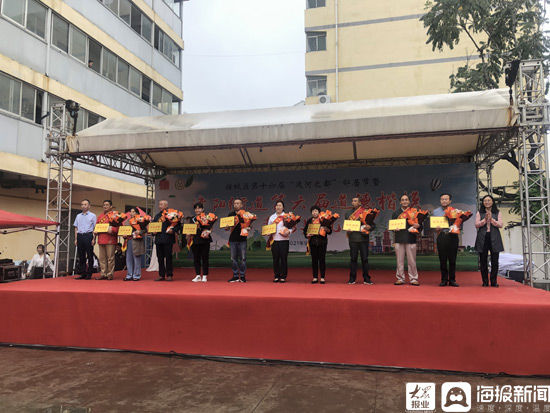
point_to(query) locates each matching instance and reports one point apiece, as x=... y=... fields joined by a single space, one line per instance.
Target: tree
x=499 y=30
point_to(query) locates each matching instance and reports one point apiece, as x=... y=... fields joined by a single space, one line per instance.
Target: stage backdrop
x=332 y=189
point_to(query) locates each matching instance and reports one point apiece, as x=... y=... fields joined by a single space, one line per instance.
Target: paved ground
x=73 y=381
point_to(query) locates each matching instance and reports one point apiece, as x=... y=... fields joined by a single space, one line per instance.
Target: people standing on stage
x=405 y=244
x=238 y=245
x=135 y=249
x=39 y=263
x=317 y=245
x=84 y=225
x=447 y=245
x=164 y=242
x=107 y=244
x=281 y=244
x=200 y=247
x=488 y=224
x=358 y=245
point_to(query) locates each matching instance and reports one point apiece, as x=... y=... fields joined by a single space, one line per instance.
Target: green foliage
x=536 y=207
x=499 y=30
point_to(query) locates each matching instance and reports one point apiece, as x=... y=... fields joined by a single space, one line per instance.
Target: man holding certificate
x=317 y=242
x=447 y=245
x=237 y=244
x=359 y=243
x=165 y=240
x=405 y=243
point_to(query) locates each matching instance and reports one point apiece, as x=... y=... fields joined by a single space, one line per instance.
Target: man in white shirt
x=84 y=225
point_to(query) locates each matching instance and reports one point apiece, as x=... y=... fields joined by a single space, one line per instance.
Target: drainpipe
x=45 y=95
x=336 y=48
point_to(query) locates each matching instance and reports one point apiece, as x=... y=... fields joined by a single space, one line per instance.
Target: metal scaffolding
x=59 y=188
x=534 y=183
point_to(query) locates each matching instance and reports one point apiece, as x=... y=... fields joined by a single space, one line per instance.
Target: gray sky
x=243 y=54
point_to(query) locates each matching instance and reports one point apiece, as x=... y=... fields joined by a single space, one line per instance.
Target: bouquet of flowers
x=326 y=219
x=458 y=216
x=414 y=216
x=290 y=220
x=173 y=216
x=367 y=218
x=139 y=223
x=246 y=219
x=116 y=218
x=206 y=222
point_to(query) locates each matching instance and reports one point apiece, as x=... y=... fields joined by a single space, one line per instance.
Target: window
x=166 y=105
x=108 y=67
x=77 y=44
x=36 y=18
x=28 y=102
x=135 y=81
x=158 y=38
x=316 y=85
x=38 y=107
x=94 y=55
x=316 y=41
x=123 y=70
x=167 y=46
x=146 y=27
x=146 y=89
x=15 y=10
x=312 y=4
x=82 y=120
x=174 y=5
x=125 y=11
x=157 y=96
x=93 y=119
x=136 y=19
x=112 y=4
x=60 y=33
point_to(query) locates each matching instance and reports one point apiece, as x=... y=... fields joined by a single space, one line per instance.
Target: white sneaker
x=204 y=278
x=196 y=279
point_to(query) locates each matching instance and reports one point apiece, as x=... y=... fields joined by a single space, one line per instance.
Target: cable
x=273 y=362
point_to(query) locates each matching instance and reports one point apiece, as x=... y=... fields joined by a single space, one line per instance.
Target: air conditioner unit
x=324 y=98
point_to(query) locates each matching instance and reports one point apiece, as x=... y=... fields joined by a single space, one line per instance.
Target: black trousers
x=447 y=248
x=85 y=254
x=356 y=248
x=483 y=259
x=279 y=250
x=164 y=255
x=201 y=254
x=318 y=254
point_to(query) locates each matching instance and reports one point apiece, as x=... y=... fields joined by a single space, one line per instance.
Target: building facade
x=116 y=58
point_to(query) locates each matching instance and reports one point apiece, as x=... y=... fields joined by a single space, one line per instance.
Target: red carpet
x=467 y=329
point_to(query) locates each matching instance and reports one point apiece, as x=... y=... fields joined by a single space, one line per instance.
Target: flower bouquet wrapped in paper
x=459 y=218
x=173 y=216
x=414 y=216
x=246 y=219
x=326 y=219
x=206 y=222
x=289 y=220
x=139 y=223
x=116 y=218
x=367 y=217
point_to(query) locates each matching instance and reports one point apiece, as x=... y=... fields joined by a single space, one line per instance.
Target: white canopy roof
x=418 y=126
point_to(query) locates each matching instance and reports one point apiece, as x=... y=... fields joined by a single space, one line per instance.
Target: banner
x=376 y=187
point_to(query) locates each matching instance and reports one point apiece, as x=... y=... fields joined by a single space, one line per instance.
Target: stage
x=469 y=329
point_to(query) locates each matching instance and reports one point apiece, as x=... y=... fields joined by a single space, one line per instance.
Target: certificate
x=351 y=225
x=227 y=222
x=101 y=228
x=441 y=222
x=269 y=229
x=125 y=230
x=154 y=227
x=189 y=229
x=313 y=229
x=397 y=224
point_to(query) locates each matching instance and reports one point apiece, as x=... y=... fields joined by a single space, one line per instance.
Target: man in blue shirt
x=84 y=225
x=447 y=245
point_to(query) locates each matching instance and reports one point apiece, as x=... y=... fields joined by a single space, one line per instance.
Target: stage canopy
x=10 y=221
x=432 y=129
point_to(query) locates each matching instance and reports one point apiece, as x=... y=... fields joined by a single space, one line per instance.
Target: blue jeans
x=238 y=257
x=133 y=263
